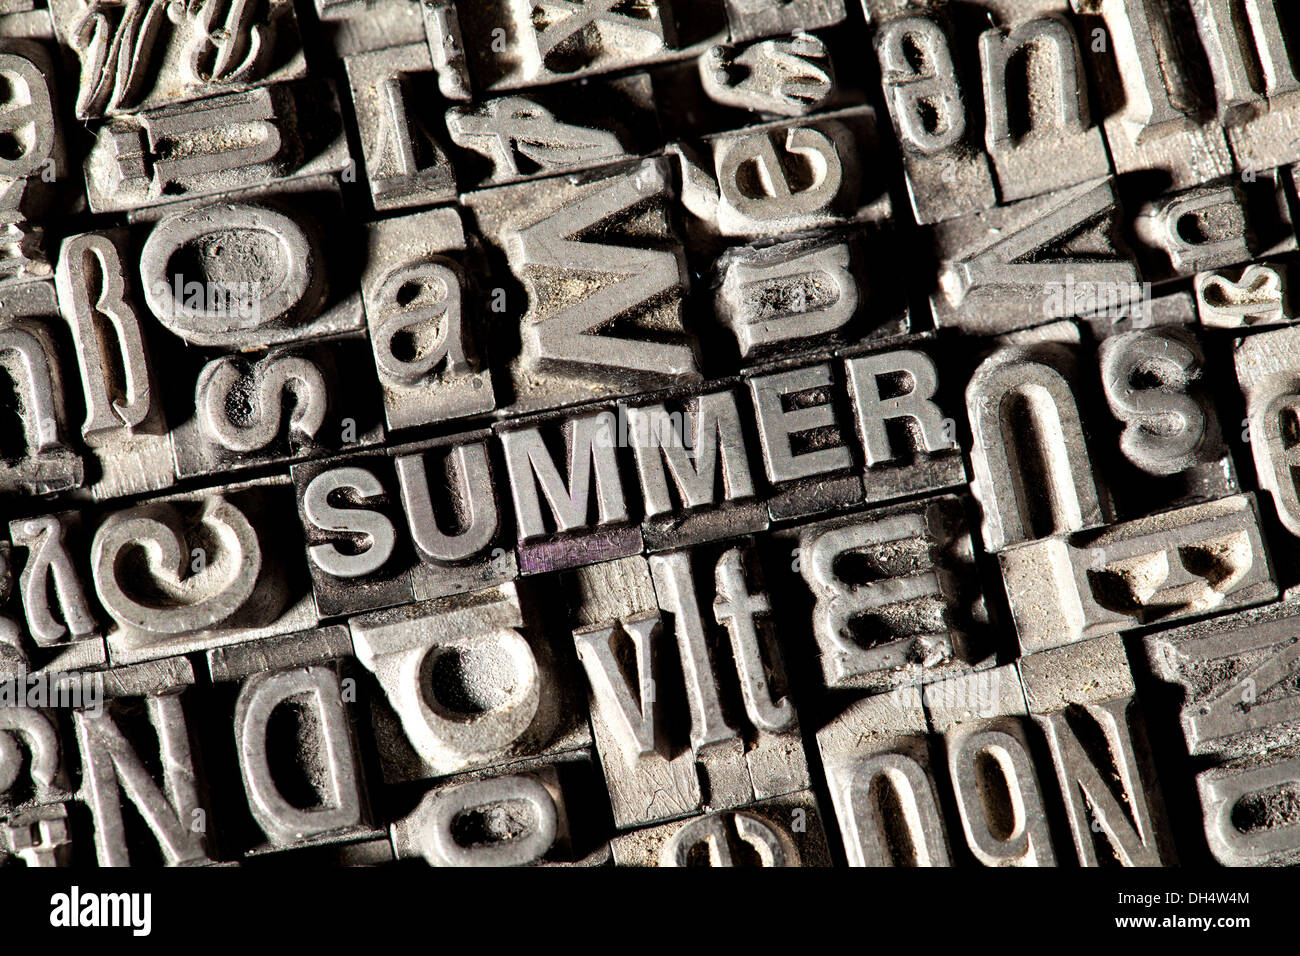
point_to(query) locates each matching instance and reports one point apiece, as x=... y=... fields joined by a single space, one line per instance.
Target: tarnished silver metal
x=1211 y=227
x=351 y=515
x=620 y=330
x=519 y=816
x=1268 y=370
x=509 y=47
x=783 y=831
x=909 y=445
x=113 y=771
x=948 y=176
x=743 y=737
x=259 y=138
x=240 y=418
x=143 y=54
x=405 y=165
x=466 y=685
x=1082 y=698
x=40 y=461
x=572 y=464
x=424 y=320
x=1240 y=708
x=250 y=275
x=805 y=445
x=298 y=674
x=789 y=77
x=1255 y=84
x=800 y=293
x=34 y=161
x=544 y=132
x=895 y=598
x=1052 y=257
x=877 y=757
x=1259 y=295
x=456 y=515
x=1030 y=383
x=1000 y=798
x=1193 y=560
x=648 y=779
x=777 y=178
x=1045 y=139
x=748 y=19
x=698 y=478
x=201 y=570
x=1155 y=117
x=125 y=428
x=1154 y=382
x=38 y=837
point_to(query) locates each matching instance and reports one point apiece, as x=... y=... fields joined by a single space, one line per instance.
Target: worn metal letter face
x=1052 y=257
x=31 y=759
x=1010 y=387
x=261 y=283
x=281 y=405
x=405 y=165
x=519 y=816
x=1060 y=147
x=697 y=479
x=910 y=446
x=1259 y=296
x=1249 y=817
x=112 y=768
x=328 y=754
x=946 y=177
x=573 y=37
x=757 y=195
x=1254 y=79
x=1239 y=676
x=454 y=514
x=350 y=516
x=785 y=831
x=789 y=296
x=1198 y=230
x=1081 y=697
x=586 y=513
x=39 y=463
x=519 y=135
x=616 y=619
x=804 y=454
x=1268 y=369
x=1152 y=379
x=1176 y=564
x=621 y=328
x=465 y=685
x=51 y=581
x=879 y=769
x=789 y=77
x=201 y=570
x=999 y=796
x=909 y=620
x=124 y=427
x=744 y=733
x=142 y=54
x=424 y=326
x=1151 y=105
x=229 y=142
